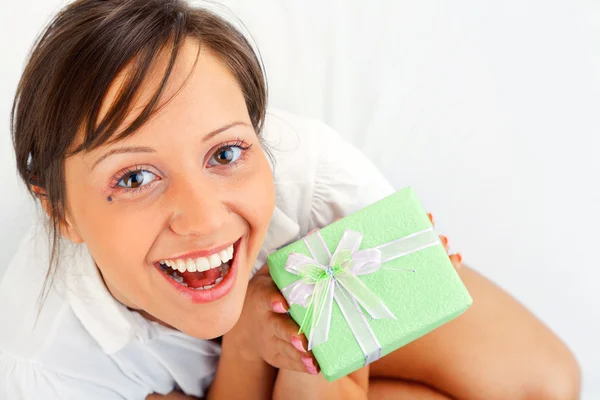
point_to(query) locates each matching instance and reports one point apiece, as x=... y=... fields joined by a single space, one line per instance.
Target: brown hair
x=75 y=60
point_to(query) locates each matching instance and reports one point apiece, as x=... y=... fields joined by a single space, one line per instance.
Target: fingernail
x=297 y=343
x=459 y=257
x=431 y=218
x=444 y=239
x=277 y=306
x=310 y=366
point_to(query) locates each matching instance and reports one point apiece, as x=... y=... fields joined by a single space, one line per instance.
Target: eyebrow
x=144 y=149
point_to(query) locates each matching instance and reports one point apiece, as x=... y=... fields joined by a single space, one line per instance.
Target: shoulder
x=296 y=138
x=41 y=344
x=25 y=323
x=318 y=178
x=316 y=171
x=295 y=144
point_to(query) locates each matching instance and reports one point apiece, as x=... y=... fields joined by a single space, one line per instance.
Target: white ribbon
x=326 y=277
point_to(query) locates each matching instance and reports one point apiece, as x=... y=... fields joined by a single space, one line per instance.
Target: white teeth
x=202 y=264
x=214 y=260
x=223 y=268
x=181 y=265
x=191 y=265
x=224 y=255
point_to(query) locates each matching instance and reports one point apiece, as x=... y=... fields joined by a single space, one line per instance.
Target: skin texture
x=187 y=204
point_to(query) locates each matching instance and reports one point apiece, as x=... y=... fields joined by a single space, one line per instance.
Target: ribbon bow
x=325 y=278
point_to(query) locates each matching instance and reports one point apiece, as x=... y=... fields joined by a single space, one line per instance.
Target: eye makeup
x=119 y=187
x=239 y=144
x=116 y=188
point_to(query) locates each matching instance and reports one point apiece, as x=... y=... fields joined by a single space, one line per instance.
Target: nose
x=198 y=209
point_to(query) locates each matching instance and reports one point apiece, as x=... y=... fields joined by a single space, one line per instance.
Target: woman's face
x=177 y=196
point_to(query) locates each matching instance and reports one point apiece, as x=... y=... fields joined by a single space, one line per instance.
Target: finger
x=456 y=260
x=285 y=328
x=276 y=302
x=299 y=342
x=287 y=356
x=430 y=215
x=269 y=296
x=310 y=364
x=444 y=240
x=299 y=363
x=282 y=361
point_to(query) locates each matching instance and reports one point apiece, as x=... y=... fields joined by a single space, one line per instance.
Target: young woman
x=141 y=127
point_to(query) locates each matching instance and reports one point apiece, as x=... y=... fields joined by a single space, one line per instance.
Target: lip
x=198 y=253
x=208 y=295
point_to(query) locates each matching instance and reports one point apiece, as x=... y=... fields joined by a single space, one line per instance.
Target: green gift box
x=369 y=283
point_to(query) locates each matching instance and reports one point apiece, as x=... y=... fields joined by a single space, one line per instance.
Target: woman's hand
x=456 y=259
x=265 y=330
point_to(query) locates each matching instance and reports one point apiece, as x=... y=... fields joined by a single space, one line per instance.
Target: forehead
x=199 y=89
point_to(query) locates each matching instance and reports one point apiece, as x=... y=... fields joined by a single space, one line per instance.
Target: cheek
x=117 y=237
x=259 y=199
x=257 y=202
x=121 y=241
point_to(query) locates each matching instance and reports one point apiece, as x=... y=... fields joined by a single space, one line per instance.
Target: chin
x=205 y=324
x=211 y=329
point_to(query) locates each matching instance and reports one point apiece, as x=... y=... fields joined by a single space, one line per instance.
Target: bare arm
x=239 y=377
x=291 y=385
x=243 y=372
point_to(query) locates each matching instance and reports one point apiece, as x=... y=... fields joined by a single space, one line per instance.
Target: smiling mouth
x=203 y=273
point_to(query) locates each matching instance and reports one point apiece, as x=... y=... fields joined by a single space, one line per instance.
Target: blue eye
x=225 y=155
x=135 y=179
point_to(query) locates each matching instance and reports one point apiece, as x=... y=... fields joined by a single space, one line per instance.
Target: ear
x=69 y=231
x=66 y=227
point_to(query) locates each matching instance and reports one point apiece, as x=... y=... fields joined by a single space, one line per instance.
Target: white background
x=490 y=110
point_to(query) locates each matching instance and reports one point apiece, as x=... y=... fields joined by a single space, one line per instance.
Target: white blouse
x=86 y=345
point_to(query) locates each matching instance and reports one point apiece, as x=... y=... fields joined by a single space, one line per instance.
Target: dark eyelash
x=114 y=183
x=237 y=143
